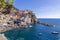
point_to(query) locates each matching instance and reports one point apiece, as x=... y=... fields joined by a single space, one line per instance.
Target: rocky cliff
x=11 y=18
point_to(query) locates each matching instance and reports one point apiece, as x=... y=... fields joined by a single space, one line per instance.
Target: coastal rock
x=2 y=37
x=11 y=18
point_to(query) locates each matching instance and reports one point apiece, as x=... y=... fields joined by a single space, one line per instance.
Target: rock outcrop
x=2 y=37
x=12 y=18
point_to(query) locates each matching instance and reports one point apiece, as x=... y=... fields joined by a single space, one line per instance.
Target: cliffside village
x=11 y=17
x=14 y=18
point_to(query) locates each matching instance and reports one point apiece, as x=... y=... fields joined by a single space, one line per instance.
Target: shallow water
x=37 y=32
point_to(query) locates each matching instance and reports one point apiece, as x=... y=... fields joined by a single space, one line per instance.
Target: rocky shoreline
x=11 y=17
x=16 y=19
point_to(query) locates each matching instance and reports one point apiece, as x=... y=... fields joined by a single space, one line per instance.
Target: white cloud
x=48 y=12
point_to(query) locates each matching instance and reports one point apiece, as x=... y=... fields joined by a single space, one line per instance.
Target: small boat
x=30 y=26
x=39 y=34
x=55 y=32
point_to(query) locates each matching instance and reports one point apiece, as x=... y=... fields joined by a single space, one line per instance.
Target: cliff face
x=11 y=18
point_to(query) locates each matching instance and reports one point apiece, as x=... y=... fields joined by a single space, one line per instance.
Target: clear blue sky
x=41 y=8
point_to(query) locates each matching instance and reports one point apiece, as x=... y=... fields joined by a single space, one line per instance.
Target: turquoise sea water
x=37 y=32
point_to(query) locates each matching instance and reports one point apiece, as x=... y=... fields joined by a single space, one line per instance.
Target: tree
x=6 y=3
x=2 y=3
x=11 y=2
